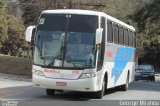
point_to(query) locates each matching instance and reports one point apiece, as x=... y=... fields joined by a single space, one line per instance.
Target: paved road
x=23 y=90
x=8 y=83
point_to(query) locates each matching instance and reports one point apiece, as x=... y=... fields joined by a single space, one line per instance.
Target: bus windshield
x=66 y=41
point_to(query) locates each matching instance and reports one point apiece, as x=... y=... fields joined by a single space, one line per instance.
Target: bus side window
x=126 y=37
x=130 y=39
x=109 y=32
x=134 y=39
x=115 y=33
x=121 y=35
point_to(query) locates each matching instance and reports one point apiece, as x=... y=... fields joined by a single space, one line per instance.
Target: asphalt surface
x=22 y=90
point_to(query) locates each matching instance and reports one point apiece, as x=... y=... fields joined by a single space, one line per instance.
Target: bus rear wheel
x=50 y=92
x=125 y=86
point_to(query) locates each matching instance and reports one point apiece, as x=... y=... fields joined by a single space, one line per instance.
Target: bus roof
x=88 y=12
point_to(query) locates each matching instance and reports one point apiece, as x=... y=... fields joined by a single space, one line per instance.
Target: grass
x=15 y=65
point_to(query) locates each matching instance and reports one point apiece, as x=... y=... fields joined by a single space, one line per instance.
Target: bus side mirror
x=99 y=35
x=29 y=33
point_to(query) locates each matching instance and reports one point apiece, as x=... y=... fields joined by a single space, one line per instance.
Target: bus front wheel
x=100 y=94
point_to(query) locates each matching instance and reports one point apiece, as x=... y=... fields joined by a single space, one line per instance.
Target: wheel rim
x=127 y=82
x=127 y=85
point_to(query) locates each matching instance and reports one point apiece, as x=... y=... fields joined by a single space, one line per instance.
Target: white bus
x=82 y=50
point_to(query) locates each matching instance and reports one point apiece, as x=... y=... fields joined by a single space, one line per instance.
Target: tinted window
x=76 y=23
x=134 y=39
x=121 y=35
x=50 y=22
x=145 y=67
x=116 y=34
x=130 y=39
x=83 y=23
x=126 y=37
x=109 y=32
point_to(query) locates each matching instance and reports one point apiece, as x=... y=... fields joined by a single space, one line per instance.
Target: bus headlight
x=88 y=75
x=38 y=72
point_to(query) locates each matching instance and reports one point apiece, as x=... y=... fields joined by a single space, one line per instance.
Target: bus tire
x=100 y=94
x=50 y=92
x=125 y=86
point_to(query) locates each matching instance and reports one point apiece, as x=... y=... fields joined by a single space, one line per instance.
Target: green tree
x=15 y=36
x=148 y=23
x=3 y=22
x=32 y=8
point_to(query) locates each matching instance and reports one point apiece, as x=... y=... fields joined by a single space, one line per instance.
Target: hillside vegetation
x=15 y=65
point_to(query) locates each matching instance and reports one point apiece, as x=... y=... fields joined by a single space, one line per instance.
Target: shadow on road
x=30 y=93
x=145 y=86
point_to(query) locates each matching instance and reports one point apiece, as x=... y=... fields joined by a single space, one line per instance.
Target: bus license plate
x=61 y=83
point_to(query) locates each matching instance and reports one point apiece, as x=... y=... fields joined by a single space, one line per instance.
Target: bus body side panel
x=118 y=61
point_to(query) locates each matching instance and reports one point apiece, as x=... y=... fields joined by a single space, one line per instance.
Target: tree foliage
x=3 y=22
x=32 y=8
x=148 y=23
x=11 y=31
x=15 y=35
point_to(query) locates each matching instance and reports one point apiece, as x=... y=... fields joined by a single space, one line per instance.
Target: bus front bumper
x=86 y=85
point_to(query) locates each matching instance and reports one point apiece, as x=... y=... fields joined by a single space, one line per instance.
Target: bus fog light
x=88 y=75
x=38 y=72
